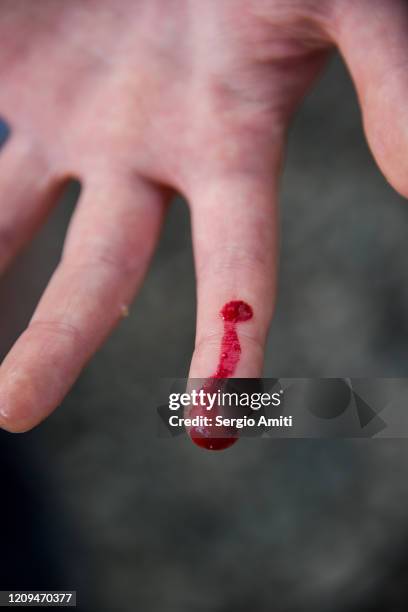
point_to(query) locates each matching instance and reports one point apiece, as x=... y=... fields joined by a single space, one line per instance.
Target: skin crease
x=142 y=98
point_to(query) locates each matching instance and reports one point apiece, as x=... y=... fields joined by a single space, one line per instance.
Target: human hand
x=141 y=98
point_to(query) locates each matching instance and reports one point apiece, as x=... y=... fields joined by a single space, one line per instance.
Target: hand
x=141 y=98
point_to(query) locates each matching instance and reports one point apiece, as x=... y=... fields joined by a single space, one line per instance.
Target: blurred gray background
x=94 y=500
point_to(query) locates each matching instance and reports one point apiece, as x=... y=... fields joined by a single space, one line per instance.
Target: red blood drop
x=236 y=311
x=213 y=443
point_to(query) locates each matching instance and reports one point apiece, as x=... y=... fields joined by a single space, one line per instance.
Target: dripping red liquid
x=232 y=313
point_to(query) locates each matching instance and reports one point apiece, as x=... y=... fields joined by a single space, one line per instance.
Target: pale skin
x=139 y=99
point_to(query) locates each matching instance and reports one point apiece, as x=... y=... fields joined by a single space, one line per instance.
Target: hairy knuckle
x=230 y=258
x=107 y=258
x=56 y=328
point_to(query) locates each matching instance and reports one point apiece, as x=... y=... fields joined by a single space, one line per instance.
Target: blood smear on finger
x=209 y=437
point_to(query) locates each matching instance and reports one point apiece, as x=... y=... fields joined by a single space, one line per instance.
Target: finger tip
x=211 y=443
x=12 y=425
x=19 y=410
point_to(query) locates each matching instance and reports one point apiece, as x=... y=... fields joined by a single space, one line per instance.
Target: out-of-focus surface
x=94 y=500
